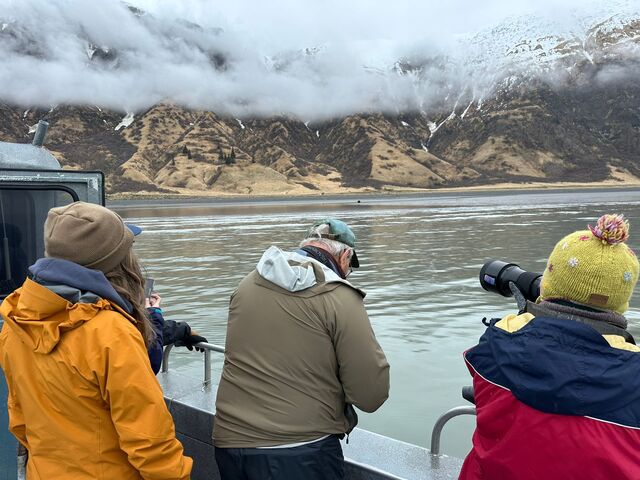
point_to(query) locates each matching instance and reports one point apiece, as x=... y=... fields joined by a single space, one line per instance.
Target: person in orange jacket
x=83 y=398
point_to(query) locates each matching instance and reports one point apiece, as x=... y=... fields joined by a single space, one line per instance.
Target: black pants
x=320 y=460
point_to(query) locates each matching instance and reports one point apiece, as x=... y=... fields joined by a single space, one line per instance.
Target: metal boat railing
x=207 y=347
x=468 y=395
x=444 y=418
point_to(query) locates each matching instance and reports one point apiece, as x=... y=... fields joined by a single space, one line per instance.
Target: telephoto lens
x=495 y=276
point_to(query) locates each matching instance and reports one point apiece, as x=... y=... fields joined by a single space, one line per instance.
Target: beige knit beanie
x=87 y=234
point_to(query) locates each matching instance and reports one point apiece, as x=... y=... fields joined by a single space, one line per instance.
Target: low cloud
x=310 y=59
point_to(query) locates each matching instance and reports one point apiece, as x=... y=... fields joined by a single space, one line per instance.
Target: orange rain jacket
x=82 y=396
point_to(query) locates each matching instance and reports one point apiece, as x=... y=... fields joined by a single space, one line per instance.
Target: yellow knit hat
x=593 y=267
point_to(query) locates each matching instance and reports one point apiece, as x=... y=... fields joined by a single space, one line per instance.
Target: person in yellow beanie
x=593 y=267
x=556 y=386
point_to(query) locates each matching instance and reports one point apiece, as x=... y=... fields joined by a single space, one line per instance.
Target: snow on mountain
x=212 y=68
x=521 y=52
x=125 y=122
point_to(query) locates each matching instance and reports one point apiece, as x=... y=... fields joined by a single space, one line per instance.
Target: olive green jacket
x=299 y=346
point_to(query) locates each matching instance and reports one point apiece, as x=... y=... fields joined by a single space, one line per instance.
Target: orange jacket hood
x=39 y=317
x=60 y=296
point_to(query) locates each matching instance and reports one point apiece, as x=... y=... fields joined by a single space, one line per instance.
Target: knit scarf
x=323 y=257
x=574 y=312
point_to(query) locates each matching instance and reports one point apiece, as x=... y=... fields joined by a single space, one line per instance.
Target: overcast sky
x=284 y=23
x=161 y=58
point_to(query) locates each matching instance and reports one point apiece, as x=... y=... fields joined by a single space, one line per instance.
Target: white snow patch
x=240 y=123
x=437 y=127
x=318 y=133
x=451 y=116
x=33 y=128
x=24 y=115
x=125 y=122
x=269 y=63
x=90 y=50
x=404 y=124
x=433 y=128
x=4 y=25
x=466 y=109
x=424 y=147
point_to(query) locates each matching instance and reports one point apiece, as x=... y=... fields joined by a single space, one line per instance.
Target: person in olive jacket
x=299 y=352
x=83 y=398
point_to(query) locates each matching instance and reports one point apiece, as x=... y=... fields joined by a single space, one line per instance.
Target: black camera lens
x=495 y=276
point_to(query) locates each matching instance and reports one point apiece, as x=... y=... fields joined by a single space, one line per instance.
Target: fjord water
x=420 y=258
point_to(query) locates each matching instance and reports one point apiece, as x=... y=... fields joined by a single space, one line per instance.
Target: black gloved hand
x=190 y=340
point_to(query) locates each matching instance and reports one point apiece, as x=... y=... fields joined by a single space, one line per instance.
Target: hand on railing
x=190 y=341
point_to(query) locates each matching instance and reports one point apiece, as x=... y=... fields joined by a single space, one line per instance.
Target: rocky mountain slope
x=572 y=117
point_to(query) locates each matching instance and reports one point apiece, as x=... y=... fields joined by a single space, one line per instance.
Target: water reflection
x=420 y=260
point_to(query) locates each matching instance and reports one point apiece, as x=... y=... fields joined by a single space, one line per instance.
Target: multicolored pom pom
x=611 y=229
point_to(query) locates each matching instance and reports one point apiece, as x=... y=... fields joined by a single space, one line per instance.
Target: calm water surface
x=420 y=260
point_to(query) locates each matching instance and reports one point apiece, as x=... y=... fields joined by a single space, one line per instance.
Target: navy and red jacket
x=555 y=401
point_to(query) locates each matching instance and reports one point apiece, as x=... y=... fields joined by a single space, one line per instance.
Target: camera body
x=495 y=276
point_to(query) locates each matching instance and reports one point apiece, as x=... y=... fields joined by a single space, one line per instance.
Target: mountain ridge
x=573 y=115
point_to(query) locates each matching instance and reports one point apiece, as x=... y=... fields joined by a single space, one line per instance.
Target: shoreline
x=152 y=198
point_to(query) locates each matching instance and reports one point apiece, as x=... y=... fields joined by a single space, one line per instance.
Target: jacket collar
x=605 y=322
x=294 y=272
x=75 y=283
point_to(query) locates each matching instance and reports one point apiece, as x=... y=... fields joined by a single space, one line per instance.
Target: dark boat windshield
x=23 y=210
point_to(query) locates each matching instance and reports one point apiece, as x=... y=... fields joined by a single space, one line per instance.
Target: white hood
x=274 y=266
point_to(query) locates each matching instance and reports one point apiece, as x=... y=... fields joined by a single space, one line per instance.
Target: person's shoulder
x=249 y=280
x=617 y=341
x=342 y=292
x=514 y=322
x=111 y=325
x=248 y=285
x=90 y=344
